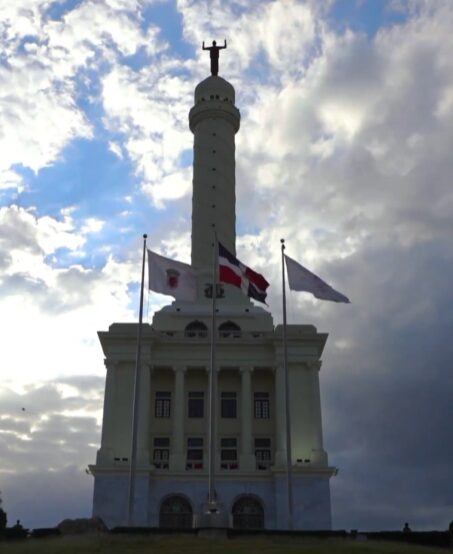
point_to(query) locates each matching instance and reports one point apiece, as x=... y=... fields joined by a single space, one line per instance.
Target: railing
x=262 y=465
x=230 y=334
x=206 y=334
x=195 y=334
x=194 y=465
x=161 y=465
x=229 y=465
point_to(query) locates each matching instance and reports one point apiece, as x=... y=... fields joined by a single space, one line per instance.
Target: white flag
x=171 y=277
x=299 y=278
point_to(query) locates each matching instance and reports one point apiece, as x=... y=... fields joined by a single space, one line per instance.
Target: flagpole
x=288 y=422
x=212 y=382
x=132 y=466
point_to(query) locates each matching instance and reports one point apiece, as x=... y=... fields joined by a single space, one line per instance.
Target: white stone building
x=172 y=458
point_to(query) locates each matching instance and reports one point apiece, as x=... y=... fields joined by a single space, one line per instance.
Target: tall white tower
x=214 y=121
x=172 y=439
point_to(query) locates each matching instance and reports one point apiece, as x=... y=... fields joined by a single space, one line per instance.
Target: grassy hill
x=127 y=544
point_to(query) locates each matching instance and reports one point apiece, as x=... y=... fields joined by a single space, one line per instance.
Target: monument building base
x=245 y=502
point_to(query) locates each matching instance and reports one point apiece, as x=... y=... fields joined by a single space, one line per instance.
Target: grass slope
x=110 y=544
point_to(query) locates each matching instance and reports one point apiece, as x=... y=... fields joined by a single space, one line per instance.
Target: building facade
x=172 y=436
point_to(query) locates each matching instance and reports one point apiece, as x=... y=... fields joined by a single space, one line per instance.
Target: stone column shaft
x=280 y=417
x=143 y=414
x=105 y=454
x=177 y=459
x=246 y=410
x=247 y=458
x=319 y=455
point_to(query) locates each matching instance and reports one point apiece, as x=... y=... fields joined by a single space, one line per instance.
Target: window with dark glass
x=228 y=453
x=196 y=404
x=229 y=329
x=228 y=404
x=163 y=404
x=196 y=329
x=161 y=452
x=263 y=453
x=262 y=405
x=194 y=453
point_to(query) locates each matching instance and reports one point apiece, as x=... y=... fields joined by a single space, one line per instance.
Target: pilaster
x=143 y=414
x=319 y=455
x=105 y=453
x=177 y=456
x=246 y=458
x=280 y=417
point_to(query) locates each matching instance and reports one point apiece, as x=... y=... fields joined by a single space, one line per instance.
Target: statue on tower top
x=214 y=55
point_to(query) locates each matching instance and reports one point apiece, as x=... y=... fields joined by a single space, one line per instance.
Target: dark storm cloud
x=387 y=399
x=45 y=447
x=43 y=498
x=374 y=211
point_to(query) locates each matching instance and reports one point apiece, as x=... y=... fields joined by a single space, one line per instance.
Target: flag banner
x=235 y=273
x=299 y=278
x=171 y=277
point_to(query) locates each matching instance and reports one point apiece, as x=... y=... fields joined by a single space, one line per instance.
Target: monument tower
x=172 y=435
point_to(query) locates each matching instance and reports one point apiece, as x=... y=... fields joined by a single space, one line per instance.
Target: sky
x=345 y=149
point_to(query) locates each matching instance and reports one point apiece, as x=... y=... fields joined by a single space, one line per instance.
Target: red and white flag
x=171 y=277
x=234 y=272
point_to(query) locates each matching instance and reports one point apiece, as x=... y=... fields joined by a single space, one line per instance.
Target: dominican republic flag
x=234 y=272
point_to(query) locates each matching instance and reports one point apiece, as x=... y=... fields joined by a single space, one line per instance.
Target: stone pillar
x=280 y=417
x=177 y=456
x=319 y=455
x=246 y=458
x=105 y=454
x=144 y=401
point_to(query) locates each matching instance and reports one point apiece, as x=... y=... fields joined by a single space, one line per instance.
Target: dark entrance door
x=175 y=513
x=248 y=513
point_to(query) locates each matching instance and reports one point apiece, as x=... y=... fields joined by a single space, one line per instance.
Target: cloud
x=48 y=62
x=46 y=306
x=344 y=150
x=47 y=438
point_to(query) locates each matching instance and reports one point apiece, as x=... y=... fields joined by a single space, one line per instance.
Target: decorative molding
x=182 y=368
x=245 y=369
x=220 y=290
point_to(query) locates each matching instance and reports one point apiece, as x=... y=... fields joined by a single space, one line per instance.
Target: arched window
x=229 y=329
x=248 y=513
x=176 y=513
x=196 y=329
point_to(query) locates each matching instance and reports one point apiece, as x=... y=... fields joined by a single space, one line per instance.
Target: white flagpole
x=132 y=466
x=288 y=421
x=212 y=382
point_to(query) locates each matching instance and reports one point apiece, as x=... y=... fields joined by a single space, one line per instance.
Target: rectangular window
x=162 y=404
x=161 y=452
x=228 y=453
x=228 y=404
x=194 y=453
x=262 y=405
x=263 y=453
x=196 y=404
